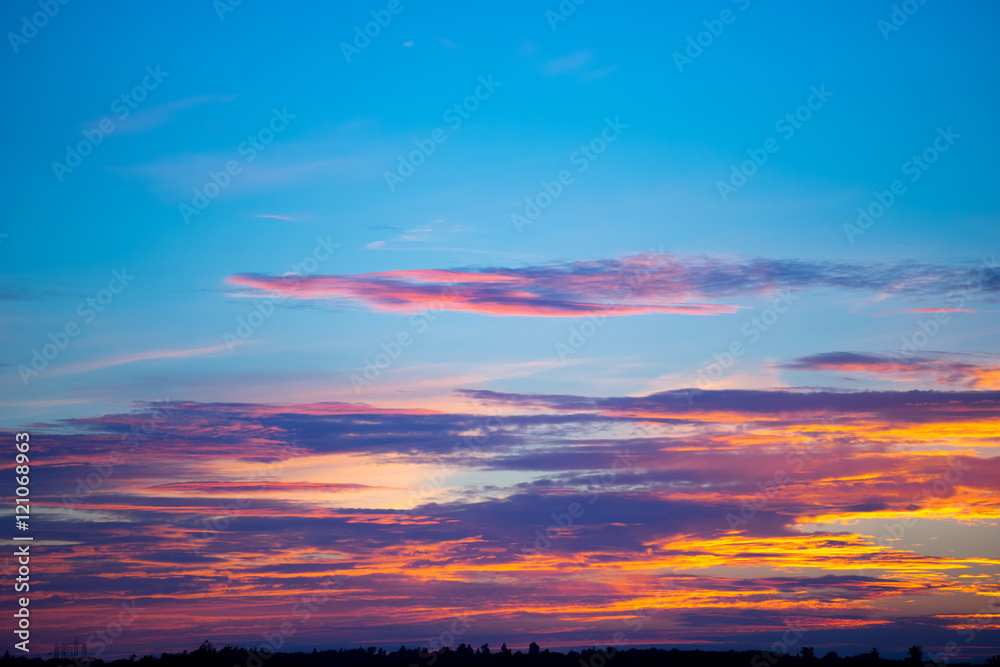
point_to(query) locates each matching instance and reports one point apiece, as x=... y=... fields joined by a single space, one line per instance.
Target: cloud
x=898 y=404
x=13 y=292
x=925 y=311
x=570 y=63
x=405 y=240
x=598 y=74
x=652 y=282
x=150 y=118
x=198 y=489
x=339 y=155
x=934 y=367
x=552 y=511
x=174 y=177
x=275 y=217
x=133 y=357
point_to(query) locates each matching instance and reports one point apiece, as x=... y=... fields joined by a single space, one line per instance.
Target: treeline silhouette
x=485 y=656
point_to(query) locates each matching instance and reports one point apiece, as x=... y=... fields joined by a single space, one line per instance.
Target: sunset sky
x=643 y=323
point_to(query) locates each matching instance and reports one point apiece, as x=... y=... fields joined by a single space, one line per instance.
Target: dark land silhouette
x=490 y=656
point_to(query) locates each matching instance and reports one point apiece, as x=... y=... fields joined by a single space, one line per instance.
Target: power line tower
x=70 y=651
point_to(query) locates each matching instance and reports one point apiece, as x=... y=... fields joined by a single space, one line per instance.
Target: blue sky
x=329 y=128
x=655 y=187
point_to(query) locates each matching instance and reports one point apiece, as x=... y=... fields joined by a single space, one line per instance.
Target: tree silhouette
x=466 y=655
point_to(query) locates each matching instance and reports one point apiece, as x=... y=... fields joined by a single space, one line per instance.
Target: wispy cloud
x=145 y=119
x=422 y=234
x=130 y=358
x=924 y=311
x=338 y=154
x=570 y=63
x=653 y=282
x=275 y=217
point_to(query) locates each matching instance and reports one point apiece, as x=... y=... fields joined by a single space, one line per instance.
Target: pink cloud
x=651 y=282
x=639 y=284
x=930 y=367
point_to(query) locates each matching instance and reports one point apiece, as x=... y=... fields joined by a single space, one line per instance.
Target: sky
x=369 y=323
